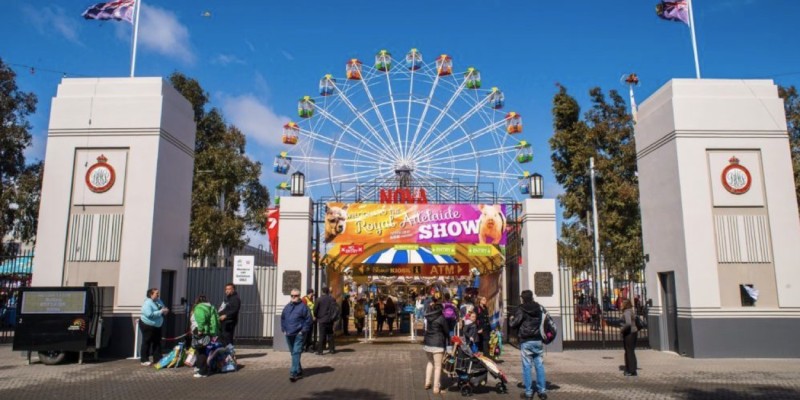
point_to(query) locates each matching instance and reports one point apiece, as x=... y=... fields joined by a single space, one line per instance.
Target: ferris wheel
x=404 y=120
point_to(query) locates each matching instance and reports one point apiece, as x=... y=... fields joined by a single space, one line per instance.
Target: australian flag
x=119 y=10
x=673 y=11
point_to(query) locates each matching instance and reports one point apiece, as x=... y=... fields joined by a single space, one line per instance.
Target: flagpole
x=137 y=8
x=694 y=39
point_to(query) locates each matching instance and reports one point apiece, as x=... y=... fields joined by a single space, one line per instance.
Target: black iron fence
x=15 y=272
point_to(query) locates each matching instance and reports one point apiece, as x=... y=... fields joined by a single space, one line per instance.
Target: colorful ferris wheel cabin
x=496 y=98
x=513 y=123
x=524 y=152
x=353 y=69
x=283 y=187
x=305 y=107
x=290 y=132
x=444 y=65
x=524 y=182
x=472 y=78
x=413 y=60
x=282 y=163
x=383 y=61
x=326 y=85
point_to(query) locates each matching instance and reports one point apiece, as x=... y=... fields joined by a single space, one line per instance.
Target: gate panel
x=15 y=272
x=257 y=312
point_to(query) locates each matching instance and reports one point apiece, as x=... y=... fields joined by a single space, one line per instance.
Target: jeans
x=295 y=343
x=532 y=351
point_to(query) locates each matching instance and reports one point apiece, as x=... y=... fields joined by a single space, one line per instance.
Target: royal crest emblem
x=735 y=177
x=100 y=176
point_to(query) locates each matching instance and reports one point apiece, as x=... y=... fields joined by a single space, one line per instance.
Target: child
x=471 y=331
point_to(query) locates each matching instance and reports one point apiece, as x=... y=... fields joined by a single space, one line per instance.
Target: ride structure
x=404 y=121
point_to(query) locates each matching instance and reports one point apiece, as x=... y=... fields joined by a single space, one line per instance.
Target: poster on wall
x=415 y=223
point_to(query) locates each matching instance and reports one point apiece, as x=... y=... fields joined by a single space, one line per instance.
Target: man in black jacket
x=229 y=314
x=325 y=310
x=528 y=318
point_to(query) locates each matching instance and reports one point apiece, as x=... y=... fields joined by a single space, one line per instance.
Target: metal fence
x=257 y=312
x=589 y=325
x=15 y=272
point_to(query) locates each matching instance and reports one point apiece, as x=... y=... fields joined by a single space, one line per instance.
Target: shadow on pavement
x=252 y=355
x=317 y=370
x=757 y=392
x=338 y=394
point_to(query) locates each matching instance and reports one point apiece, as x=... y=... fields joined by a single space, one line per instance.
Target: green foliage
x=227 y=197
x=15 y=107
x=605 y=133
x=791 y=103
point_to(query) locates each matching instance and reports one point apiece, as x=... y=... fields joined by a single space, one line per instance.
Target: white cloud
x=161 y=32
x=49 y=19
x=257 y=121
x=287 y=55
x=227 y=59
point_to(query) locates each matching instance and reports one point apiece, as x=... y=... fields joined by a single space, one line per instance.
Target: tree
x=791 y=104
x=227 y=197
x=606 y=133
x=15 y=107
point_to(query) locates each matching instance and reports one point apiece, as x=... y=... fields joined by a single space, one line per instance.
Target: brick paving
x=395 y=371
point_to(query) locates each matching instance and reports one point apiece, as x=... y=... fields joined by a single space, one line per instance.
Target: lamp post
x=597 y=272
x=298 y=184
x=536 y=186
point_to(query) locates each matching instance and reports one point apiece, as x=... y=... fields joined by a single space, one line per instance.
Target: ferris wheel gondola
x=424 y=120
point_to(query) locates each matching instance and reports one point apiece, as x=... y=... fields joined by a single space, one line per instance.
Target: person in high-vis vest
x=308 y=300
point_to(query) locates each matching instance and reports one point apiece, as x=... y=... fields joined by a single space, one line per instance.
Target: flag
x=273 y=217
x=673 y=11
x=119 y=10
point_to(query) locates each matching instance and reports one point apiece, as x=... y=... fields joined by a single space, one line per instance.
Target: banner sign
x=480 y=250
x=243 y=270
x=351 y=249
x=273 y=215
x=415 y=223
x=443 y=249
x=425 y=270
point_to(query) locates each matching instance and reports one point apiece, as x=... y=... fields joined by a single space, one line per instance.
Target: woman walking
x=150 y=322
x=629 y=334
x=390 y=311
x=436 y=338
x=379 y=314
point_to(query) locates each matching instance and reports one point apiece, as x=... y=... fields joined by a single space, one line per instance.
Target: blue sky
x=257 y=58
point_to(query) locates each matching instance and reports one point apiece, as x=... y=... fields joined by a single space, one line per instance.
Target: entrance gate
x=257 y=312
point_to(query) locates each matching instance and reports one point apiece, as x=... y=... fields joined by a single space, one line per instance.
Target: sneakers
x=198 y=375
x=542 y=396
x=293 y=378
x=147 y=364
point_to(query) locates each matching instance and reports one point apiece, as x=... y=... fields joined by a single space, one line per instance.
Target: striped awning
x=422 y=255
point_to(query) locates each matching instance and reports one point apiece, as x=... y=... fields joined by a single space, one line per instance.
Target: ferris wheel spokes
x=443 y=112
x=336 y=161
x=352 y=176
x=462 y=140
x=359 y=116
x=469 y=156
x=394 y=113
x=424 y=113
x=348 y=128
x=443 y=135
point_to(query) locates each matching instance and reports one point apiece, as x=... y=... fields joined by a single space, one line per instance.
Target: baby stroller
x=471 y=369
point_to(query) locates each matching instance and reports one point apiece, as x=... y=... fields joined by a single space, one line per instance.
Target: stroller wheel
x=466 y=391
x=501 y=387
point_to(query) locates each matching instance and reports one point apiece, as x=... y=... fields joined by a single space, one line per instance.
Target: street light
x=298 y=184
x=537 y=190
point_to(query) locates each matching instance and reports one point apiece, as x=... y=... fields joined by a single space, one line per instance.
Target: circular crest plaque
x=100 y=176
x=735 y=177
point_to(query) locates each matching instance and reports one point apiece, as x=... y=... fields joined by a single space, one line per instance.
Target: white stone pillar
x=294 y=257
x=123 y=232
x=539 y=268
x=693 y=138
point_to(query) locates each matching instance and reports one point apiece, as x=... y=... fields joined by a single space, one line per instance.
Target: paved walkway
x=395 y=371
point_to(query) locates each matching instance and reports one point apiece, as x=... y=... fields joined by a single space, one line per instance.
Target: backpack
x=449 y=312
x=547 y=329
